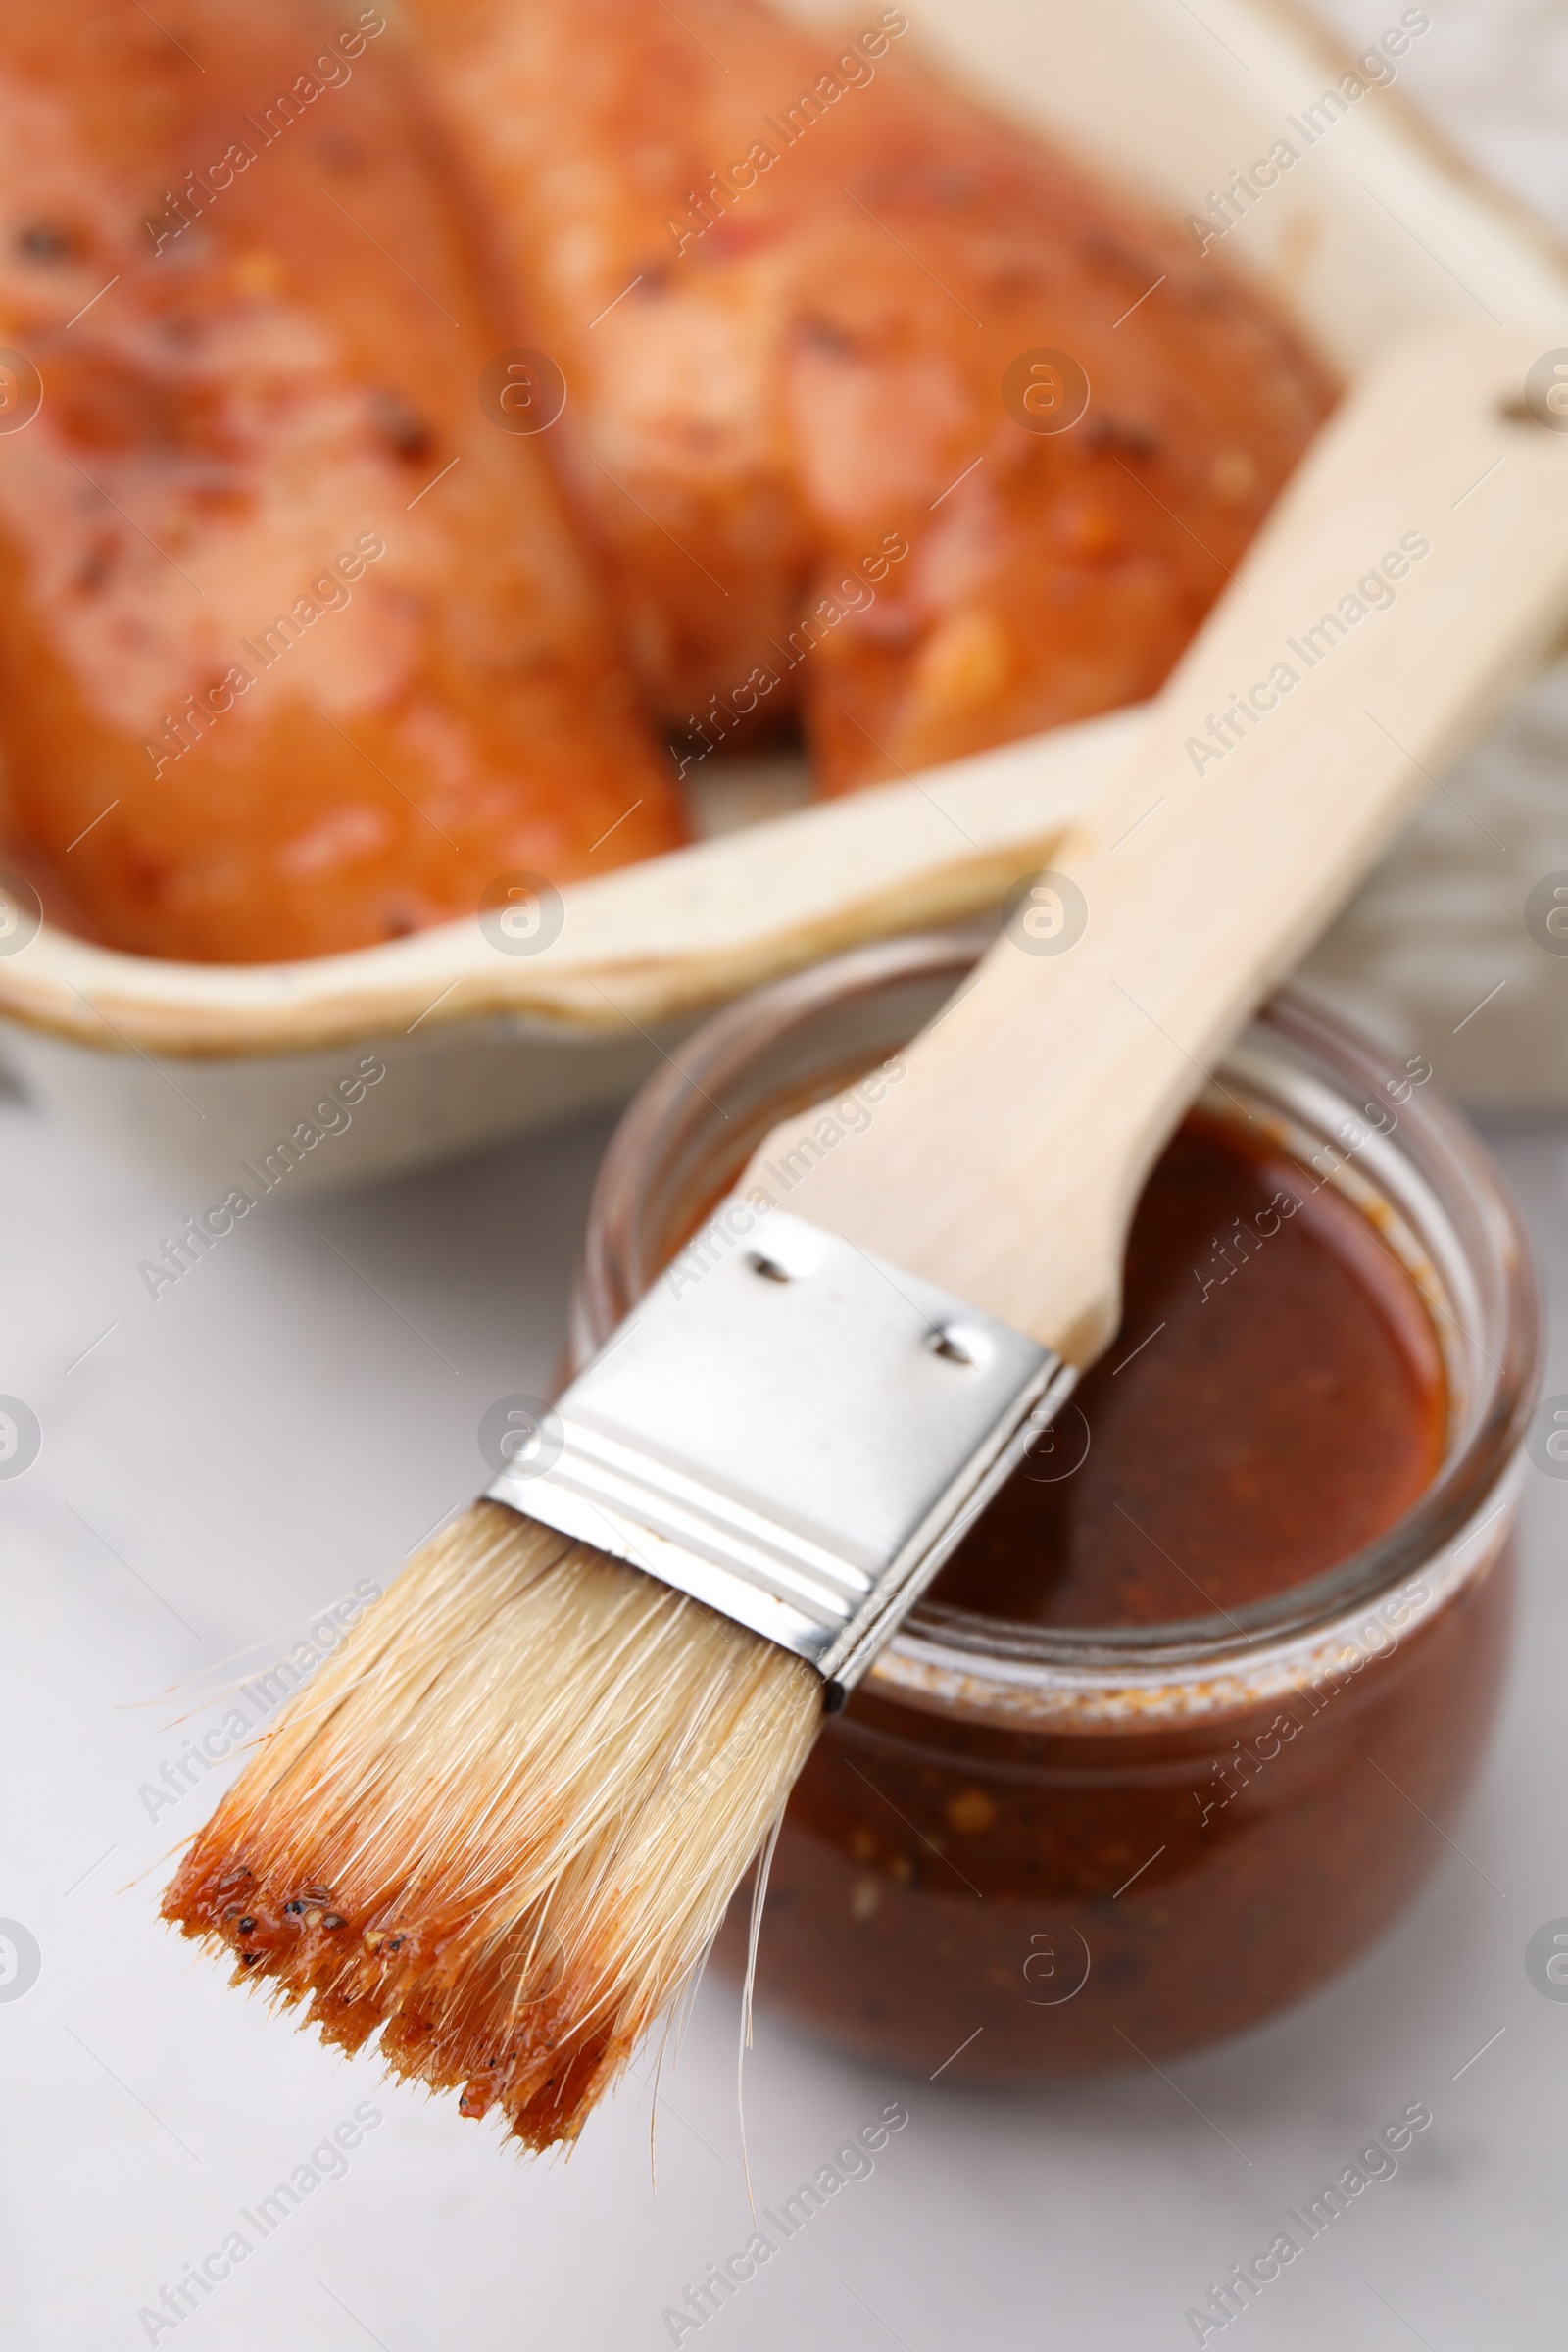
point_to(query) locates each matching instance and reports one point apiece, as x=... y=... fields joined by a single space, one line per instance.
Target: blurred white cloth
x=1434 y=951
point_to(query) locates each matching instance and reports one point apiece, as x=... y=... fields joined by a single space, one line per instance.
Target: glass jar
x=1026 y=1851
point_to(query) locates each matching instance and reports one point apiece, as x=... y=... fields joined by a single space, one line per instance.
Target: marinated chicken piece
x=805 y=298
x=297 y=648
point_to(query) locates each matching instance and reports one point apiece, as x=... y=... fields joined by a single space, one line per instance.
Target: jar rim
x=945 y=1657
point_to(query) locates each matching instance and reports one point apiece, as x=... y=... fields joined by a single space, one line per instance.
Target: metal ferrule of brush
x=793 y=1431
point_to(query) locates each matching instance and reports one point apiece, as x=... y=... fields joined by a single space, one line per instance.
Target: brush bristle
x=502 y=1825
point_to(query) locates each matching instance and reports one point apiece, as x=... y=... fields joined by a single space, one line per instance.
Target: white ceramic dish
x=1375 y=230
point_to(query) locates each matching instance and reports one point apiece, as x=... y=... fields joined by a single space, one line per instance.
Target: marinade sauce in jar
x=1184 y=1722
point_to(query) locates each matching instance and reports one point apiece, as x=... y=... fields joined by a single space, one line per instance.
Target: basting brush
x=502 y=1827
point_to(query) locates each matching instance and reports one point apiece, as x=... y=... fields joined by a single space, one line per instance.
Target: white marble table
x=293 y=1416
x=238 y=1454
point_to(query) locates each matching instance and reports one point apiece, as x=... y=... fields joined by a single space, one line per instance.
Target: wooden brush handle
x=1415 y=568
